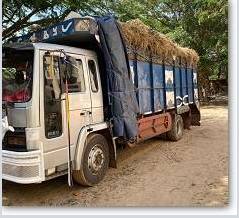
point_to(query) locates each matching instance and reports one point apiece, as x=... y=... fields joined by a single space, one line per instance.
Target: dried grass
x=149 y=43
x=86 y=25
x=83 y=25
x=139 y=36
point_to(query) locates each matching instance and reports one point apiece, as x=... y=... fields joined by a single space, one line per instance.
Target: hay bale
x=87 y=25
x=148 y=43
x=152 y=43
x=136 y=34
x=190 y=56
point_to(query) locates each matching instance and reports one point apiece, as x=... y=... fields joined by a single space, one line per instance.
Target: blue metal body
x=163 y=87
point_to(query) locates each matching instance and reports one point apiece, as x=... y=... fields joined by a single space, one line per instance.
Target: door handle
x=84 y=113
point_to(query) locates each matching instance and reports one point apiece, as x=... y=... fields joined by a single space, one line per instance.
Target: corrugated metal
x=144 y=87
x=158 y=86
x=155 y=84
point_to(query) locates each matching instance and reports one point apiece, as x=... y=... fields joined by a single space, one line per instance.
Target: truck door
x=79 y=97
x=95 y=90
x=54 y=108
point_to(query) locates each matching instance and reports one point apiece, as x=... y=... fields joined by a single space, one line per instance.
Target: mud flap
x=195 y=115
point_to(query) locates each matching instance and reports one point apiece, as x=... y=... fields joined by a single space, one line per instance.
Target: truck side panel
x=144 y=87
x=154 y=81
x=158 y=87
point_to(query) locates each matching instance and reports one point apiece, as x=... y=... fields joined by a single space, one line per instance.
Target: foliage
x=199 y=24
x=20 y=15
x=8 y=73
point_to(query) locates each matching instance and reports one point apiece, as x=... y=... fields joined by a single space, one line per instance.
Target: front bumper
x=23 y=167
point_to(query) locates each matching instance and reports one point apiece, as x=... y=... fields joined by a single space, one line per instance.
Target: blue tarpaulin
x=121 y=94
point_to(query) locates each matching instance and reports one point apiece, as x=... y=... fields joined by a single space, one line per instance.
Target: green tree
x=20 y=15
x=198 y=24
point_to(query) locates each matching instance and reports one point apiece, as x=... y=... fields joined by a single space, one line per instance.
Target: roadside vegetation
x=199 y=24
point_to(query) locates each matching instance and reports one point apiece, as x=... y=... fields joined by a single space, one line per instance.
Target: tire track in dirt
x=190 y=172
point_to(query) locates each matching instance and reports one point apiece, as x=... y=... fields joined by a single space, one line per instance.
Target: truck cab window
x=75 y=76
x=52 y=103
x=17 y=74
x=93 y=76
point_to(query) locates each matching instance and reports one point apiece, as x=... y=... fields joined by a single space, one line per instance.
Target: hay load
x=147 y=42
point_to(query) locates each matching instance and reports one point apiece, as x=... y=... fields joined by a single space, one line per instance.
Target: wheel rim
x=96 y=159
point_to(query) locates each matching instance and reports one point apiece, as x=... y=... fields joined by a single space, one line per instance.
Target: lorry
x=76 y=90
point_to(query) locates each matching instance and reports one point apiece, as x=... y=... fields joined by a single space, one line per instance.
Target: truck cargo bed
x=162 y=87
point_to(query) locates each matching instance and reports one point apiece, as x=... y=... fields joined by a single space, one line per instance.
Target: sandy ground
x=191 y=172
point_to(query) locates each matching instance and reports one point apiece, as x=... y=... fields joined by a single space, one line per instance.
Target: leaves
x=199 y=24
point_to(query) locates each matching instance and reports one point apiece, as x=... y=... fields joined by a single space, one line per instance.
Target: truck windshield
x=17 y=75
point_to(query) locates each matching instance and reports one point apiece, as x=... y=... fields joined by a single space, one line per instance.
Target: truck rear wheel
x=95 y=161
x=176 y=132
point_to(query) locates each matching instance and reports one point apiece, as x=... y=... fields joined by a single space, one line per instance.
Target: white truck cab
x=47 y=123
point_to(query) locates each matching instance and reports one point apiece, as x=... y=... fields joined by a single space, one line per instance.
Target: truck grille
x=20 y=171
x=23 y=167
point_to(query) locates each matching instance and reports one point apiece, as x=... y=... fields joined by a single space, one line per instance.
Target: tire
x=95 y=161
x=176 y=133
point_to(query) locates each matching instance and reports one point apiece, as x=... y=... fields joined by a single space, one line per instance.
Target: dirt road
x=191 y=172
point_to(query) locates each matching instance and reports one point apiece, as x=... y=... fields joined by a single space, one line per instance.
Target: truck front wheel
x=95 y=161
x=176 y=132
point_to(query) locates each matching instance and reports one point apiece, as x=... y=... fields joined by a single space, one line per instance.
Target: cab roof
x=19 y=46
x=48 y=46
x=69 y=49
x=75 y=32
x=70 y=31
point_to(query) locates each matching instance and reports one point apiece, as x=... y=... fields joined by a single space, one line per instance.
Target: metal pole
x=70 y=181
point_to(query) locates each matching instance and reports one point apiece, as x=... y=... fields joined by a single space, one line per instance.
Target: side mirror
x=69 y=70
x=71 y=67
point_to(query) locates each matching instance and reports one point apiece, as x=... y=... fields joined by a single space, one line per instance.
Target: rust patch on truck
x=154 y=125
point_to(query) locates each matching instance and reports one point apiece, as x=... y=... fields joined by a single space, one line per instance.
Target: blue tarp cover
x=121 y=94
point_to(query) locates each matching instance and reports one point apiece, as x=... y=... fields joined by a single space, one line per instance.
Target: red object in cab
x=18 y=96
